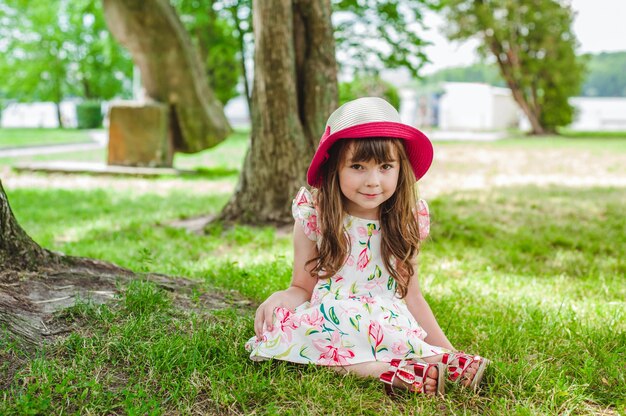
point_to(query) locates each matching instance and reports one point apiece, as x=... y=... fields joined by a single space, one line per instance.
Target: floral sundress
x=353 y=317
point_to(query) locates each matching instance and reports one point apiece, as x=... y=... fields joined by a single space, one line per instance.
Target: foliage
x=368 y=86
x=372 y=35
x=216 y=39
x=534 y=46
x=607 y=75
x=54 y=49
x=89 y=114
x=484 y=73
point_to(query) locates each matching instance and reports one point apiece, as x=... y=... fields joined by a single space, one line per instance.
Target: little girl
x=354 y=303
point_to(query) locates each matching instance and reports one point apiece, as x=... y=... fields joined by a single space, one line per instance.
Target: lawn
x=223 y=160
x=531 y=277
x=22 y=137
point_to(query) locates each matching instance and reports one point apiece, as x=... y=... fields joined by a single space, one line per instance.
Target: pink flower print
x=314 y=319
x=399 y=349
x=362 y=231
x=374 y=284
x=286 y=321
x=368 y=300
x=333 y=353
x=302 y=198
x=417 y=332
x=350 y=260
x=423 y=218
x=311 y=225
x=363 y=260
x=350 y=311
x=315 y=297
x=375 y=336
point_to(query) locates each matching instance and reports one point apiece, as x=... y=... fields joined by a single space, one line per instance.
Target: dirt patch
x=162 y=186
x=473 y=167
x=455 y=167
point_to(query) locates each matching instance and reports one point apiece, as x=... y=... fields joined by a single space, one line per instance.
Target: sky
x=599 y=25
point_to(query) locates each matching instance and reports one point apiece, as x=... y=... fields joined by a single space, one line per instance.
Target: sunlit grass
x=225 y=159
x=531 y=278
x=20 y=137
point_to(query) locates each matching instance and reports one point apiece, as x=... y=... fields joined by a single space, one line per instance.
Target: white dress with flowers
x=353 y=317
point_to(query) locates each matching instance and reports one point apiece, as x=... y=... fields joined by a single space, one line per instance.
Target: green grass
x=21 y=137
x=532 y=278
x=223 y=160
x=592 y=134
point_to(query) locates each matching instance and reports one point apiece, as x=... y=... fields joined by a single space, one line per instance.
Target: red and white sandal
x=457 y=364
x=414 y=374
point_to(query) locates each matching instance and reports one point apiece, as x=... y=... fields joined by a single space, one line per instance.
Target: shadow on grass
x=149 y=357
x=535 y=231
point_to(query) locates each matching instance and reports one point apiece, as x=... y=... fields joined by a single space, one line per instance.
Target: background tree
x=534 y=47
x=606 y=76
x=295 y=53
x=60 y=48
x=294 y=90
x=216 y=38
x=372 y=35
x=371 y=86
x=171 y=70
x=480 y=72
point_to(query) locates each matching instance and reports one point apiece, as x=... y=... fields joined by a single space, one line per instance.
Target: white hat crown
x=361 y=111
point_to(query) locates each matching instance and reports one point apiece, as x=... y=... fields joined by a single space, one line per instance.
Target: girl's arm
x=302 y=284
x=422 y=313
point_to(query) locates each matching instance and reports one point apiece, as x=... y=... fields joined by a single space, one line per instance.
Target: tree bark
x=36 y=283
x=294 y=91
x=57 y=106
x=171 y=70
x=17 y=250
x=518 y=95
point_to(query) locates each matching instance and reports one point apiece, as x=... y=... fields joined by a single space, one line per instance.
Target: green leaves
x=60 y=48
x=534 y=46
x=373 y=35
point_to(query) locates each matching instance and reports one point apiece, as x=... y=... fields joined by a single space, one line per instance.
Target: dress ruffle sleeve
x=422 y=215
x=305 y=213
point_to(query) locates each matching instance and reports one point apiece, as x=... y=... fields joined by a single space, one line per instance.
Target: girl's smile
x=367 y=184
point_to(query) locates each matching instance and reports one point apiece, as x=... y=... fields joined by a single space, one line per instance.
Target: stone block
x=139 y=135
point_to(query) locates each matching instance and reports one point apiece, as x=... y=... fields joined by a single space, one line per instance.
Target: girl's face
x=367 y=184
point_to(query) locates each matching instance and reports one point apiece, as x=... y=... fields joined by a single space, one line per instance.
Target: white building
x=476 y=107
x=38 y=115
x=599 y=113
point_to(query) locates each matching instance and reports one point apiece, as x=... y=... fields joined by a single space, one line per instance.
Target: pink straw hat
x=370 y=117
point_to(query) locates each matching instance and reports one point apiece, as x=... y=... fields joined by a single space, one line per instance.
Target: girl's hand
x=301 y=284
x=265 y=312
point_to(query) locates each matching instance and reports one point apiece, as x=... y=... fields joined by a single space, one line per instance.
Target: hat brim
x=418 y=147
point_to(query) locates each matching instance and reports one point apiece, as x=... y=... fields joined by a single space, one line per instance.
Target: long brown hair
x=400 y=231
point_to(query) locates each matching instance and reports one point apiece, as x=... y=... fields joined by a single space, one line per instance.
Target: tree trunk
x=531 y=112
x=520 y=99
x=17 y=250
x=171 y=70
x=59 y=115
x=36 y=283
x=294 y=91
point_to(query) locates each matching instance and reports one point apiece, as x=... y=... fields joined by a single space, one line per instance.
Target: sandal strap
x=412 y=372
x=458 y=363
